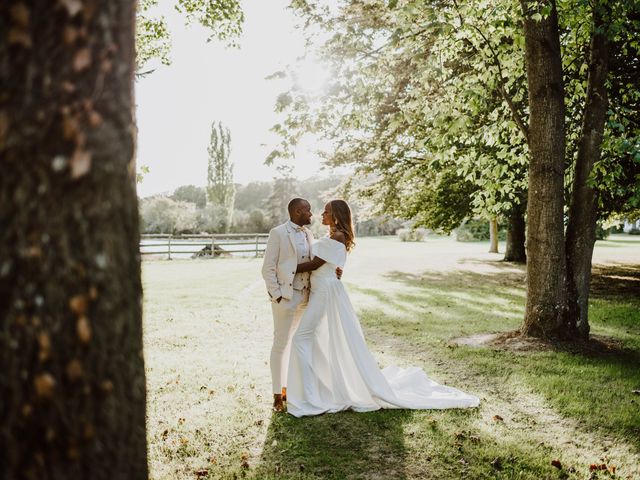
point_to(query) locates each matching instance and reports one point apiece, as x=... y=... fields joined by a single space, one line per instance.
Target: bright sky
x=209 y=82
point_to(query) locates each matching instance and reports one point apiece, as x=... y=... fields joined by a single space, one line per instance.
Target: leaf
x=557 y=464
x=498 y=418
x=537 y=17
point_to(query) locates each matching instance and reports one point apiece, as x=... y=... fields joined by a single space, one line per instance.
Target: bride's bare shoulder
x=339 y=236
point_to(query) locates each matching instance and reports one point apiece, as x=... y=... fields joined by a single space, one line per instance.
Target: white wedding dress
x=331 y=368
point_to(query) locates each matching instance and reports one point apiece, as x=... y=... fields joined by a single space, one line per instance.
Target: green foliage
x=422 y=102
x=164 y=215
x=426 y=95
x=283 y=189
x=220 y=187
x=191 y=193
x=223 y=18
x=141 y=173
x=411 y=234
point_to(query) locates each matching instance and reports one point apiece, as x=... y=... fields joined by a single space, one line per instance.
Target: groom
x=289 y=244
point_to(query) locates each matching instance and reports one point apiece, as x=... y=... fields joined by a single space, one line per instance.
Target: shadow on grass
x=335 y=446
x=592 y=382
x=616 y=281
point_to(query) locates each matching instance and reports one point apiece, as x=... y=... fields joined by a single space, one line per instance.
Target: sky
x=209 y=82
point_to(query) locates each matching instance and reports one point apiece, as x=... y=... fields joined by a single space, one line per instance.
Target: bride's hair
x=341 y=214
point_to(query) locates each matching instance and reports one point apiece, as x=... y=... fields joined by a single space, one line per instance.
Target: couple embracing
x=320 y=362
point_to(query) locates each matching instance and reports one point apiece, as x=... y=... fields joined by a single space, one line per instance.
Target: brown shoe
x=284 y=394
x=278 y=404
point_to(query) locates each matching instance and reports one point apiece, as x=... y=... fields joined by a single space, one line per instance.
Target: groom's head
x=300 y=211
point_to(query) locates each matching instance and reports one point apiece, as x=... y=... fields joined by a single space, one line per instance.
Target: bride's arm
x=310 y=266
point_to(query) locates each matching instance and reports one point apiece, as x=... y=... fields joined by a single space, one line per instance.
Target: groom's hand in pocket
x=339 y=273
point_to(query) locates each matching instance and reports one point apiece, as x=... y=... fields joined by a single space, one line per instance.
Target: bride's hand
x=339 y=273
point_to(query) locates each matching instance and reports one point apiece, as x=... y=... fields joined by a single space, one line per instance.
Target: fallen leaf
x=73 y=6
x=203 y=472
x=164 y=434
x=498 y=418
x=557 y=464
x=259 y=423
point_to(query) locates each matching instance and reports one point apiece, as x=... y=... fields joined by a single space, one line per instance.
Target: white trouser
x=286 y=316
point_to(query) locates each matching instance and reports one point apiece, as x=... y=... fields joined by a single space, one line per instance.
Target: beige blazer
x=281 y=260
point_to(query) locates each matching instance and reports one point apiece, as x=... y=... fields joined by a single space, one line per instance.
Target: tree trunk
x=72 y=389
x=515 y=250
x=581 y=229
x=493 y=235
x=546 y=264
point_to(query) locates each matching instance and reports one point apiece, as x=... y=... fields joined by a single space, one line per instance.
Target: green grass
x=207 y=340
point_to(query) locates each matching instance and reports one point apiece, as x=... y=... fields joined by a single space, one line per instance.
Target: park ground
x=546 y=411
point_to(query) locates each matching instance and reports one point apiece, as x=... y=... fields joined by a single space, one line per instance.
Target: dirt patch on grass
x=513 y=341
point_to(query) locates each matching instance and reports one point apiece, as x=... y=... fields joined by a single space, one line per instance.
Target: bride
x=331 y=368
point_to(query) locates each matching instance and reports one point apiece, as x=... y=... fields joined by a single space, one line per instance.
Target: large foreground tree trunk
x=581 y=229
x=493 y=235
x=72 y=388
x=546 y=263
x=516 y=230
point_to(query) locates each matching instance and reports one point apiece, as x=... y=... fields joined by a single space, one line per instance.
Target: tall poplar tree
x=221 y=190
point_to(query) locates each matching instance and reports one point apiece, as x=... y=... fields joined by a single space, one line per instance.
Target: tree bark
x=493 y=235
x=581 y=228
x=72 y=389
x=546 y=264
x=516 y=230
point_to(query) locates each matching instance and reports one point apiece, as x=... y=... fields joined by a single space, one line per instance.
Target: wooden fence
x=215 y=245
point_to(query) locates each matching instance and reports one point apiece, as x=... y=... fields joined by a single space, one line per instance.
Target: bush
x=474 y=230
x=601 y=232
x=411 y=234
x=164 y=215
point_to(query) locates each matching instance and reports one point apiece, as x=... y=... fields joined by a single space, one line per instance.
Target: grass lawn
x=208 y=334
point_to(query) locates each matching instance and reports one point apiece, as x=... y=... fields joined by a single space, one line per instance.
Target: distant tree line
x=257 y=207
